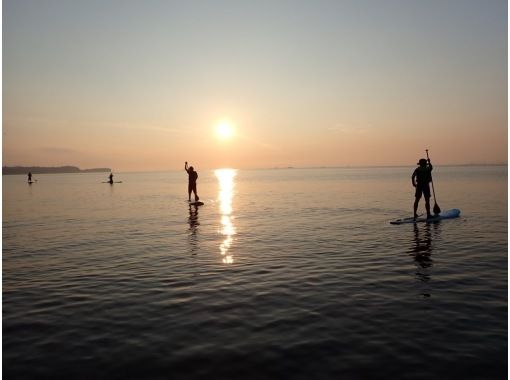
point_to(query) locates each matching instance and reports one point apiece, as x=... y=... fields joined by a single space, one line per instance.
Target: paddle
x=436 y=208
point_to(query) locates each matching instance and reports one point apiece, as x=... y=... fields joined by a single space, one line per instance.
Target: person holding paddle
x=421 y=177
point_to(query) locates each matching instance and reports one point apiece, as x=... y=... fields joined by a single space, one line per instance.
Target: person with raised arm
x=192 y=181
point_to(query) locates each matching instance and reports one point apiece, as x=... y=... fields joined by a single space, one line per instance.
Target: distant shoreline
x=14 y=170
x=17 y=170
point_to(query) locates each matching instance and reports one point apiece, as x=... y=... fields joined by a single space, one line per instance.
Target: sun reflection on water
x=227 y=229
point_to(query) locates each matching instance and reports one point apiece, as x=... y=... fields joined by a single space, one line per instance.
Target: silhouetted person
x=29 y=177
x=421 y=177
x=192 y=184
x=111 y=178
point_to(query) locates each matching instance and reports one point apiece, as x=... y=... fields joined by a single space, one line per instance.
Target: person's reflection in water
x=421 y=251
x=193 y=226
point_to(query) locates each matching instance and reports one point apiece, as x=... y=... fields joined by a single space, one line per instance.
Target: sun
x=224 y=130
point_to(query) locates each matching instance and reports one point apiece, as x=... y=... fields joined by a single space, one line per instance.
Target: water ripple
x=132 y=284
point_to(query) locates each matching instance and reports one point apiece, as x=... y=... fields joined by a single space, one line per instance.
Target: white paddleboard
x=448 y=214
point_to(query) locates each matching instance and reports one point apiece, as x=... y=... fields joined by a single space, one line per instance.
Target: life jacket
x=423 y=175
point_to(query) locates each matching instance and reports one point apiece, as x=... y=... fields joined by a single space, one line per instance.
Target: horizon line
x=264 y=168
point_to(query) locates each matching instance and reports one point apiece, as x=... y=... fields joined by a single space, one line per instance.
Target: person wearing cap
x=421 y=177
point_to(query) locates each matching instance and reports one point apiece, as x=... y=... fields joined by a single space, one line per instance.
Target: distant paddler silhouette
x=110 y=180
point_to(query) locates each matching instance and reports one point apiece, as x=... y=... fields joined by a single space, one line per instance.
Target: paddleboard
x=111 y=182
x=196 y=203
x=448 y=214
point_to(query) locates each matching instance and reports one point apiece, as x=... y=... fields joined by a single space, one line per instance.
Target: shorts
x=192 y=186
x=425 y=189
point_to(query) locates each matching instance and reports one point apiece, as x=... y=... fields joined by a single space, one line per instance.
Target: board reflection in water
x=225 y=196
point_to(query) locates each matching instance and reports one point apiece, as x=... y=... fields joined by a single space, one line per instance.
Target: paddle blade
x=436 y=209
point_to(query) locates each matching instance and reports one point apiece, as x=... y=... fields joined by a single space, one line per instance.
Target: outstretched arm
x=430 y=165
x=186 y=166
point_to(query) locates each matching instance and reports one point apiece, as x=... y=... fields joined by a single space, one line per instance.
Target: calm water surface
x=285 y=274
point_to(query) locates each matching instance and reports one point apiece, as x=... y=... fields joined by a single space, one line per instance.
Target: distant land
x=48 y=170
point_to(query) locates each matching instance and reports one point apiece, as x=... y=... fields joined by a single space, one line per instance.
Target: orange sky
x=141 y=87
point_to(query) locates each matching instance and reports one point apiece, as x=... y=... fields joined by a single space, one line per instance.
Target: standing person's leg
x=190 y=188
x=195 y=191
x=416 y=200
x=427 y=206
x=426 y=195
x=417 y=196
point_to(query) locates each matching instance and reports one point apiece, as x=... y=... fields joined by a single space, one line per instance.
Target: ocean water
x=282 y=274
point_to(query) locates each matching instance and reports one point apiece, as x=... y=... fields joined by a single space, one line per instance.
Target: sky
x=143 y=85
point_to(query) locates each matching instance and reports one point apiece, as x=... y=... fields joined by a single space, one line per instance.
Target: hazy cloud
x=55 y=150
x=350 y=128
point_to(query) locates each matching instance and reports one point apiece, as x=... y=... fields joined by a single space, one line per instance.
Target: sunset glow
x=337 y=90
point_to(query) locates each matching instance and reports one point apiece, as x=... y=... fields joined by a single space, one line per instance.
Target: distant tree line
x=48 y=170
